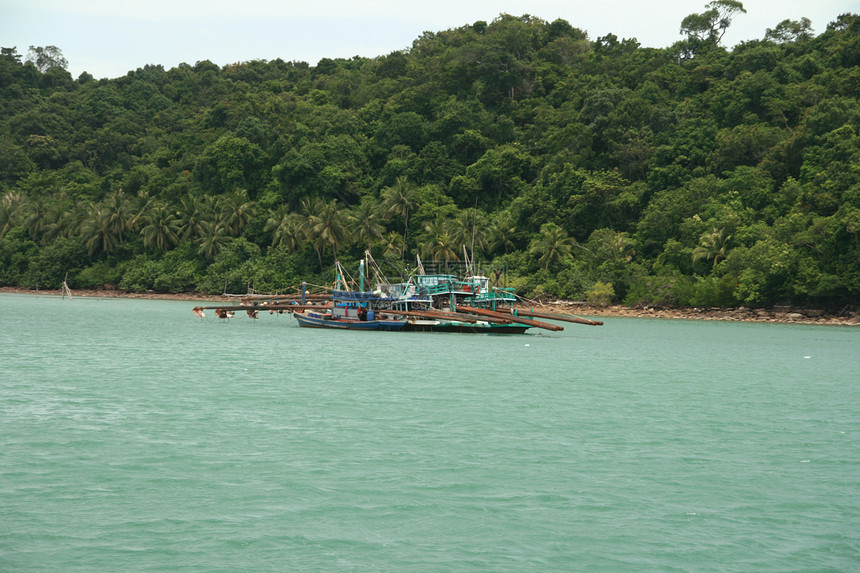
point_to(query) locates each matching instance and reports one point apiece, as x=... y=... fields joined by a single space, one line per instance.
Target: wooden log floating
x=511 y=317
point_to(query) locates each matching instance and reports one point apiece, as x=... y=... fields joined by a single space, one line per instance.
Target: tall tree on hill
x=45 y=58
x=711 y=25
x=790 y=31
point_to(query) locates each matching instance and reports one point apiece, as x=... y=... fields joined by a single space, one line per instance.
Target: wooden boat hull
x=319 y=322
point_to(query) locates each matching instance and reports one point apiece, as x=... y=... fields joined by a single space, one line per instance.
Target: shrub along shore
x=782 y=314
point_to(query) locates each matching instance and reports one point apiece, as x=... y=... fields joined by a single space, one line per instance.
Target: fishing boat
x=420 y=303
x=350 y=310
x=430 y=304
x=431 y=300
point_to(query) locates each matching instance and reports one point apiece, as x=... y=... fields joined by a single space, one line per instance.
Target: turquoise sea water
x=136 y=437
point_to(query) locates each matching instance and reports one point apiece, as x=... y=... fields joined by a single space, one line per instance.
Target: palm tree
x=236 y=212
x=437 y=242
x=501 y=233
x=160 y=228
x=551 y=245
x=468 y=229
x=212 y=241
x=427 y=236
x=54 y=224
x=394 y=245
x=329 y=226
x=284 y=226
x=399 y=199
x=35 y=217
x=713 y=246
x=118 y=214
x=193 y=217
x=624 y=246
x=73 y=218
x=364 y=222
x=9 y=207
x=7 y=218
x=311 y=211
x=95 y=231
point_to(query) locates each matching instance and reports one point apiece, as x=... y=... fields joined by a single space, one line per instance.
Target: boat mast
x=340 y=279
x=470 y=271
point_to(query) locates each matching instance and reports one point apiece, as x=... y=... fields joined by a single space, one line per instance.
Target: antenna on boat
x=420 y=266
x=474 y=229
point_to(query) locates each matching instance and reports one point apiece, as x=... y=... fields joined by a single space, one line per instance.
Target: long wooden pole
x=259 y=308
x=512 y=318
x=552 y=316
x=257 y=299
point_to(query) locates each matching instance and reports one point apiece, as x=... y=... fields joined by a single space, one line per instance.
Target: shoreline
x=786 y=315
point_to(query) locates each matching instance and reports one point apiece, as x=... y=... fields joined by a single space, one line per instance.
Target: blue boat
x=326 y=320
x=350 y=310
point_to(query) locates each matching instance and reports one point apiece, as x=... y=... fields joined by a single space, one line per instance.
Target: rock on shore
x=740 y=314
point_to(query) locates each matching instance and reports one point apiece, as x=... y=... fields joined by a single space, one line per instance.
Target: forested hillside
x=695 y=175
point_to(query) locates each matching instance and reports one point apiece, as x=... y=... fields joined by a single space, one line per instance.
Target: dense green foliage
x=691 y=175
